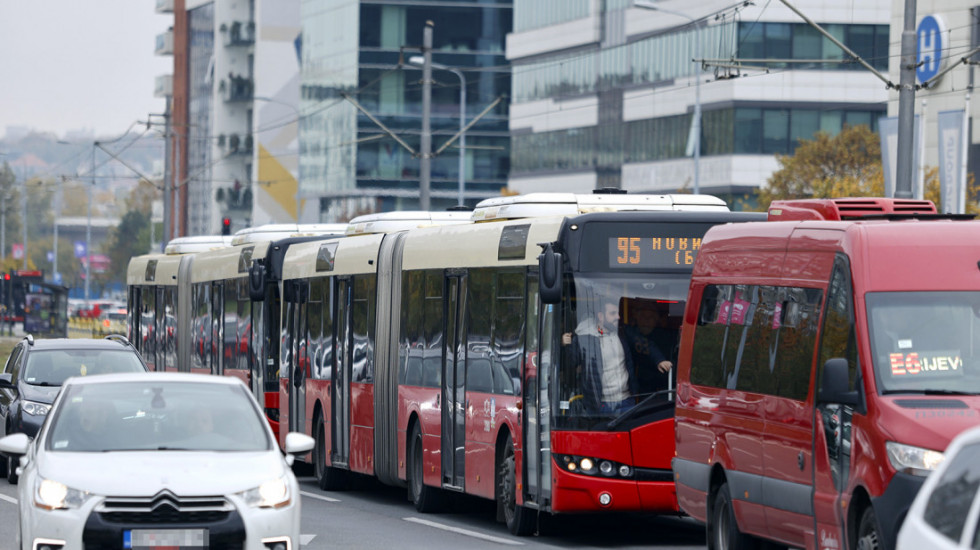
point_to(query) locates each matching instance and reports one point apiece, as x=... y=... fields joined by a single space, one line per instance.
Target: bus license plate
x=176 y=539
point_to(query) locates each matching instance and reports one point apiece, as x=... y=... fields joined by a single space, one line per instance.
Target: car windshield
x=156 y=416
x=53 y=367
x=615 y=333
x=925 y=342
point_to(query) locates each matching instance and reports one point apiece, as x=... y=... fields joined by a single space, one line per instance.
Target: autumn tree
x=845 y=165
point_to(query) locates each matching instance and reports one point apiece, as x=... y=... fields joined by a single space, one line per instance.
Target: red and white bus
x=433 y=357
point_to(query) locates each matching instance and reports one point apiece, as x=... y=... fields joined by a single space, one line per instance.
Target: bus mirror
x=256 y=282
x=550 y=267
x=833 y=384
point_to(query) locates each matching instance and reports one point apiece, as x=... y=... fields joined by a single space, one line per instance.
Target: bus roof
x=276 y=231
x=197 y=243
x=401 y=220
x=571 y=204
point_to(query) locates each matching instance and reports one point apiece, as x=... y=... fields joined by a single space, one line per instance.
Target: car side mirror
x=833 y=384
x=15 y=444
x=298 y=444
x=6 y=381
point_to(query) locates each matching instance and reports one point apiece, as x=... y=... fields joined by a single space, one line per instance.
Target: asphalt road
x=371 y=515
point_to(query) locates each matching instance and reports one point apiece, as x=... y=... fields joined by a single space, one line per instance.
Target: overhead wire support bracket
x=379 y=124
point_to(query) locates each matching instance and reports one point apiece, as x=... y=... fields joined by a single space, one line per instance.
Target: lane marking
x=11 y=500
x=318 y=497
x=467 y=532
x=304 y=540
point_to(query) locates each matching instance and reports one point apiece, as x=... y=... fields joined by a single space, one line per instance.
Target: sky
x=80 y=65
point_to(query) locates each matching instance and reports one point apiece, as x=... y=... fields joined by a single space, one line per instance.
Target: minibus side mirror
x=833 y=384
x=550 y=265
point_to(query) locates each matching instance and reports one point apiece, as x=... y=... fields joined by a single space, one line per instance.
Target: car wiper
x=637 y=409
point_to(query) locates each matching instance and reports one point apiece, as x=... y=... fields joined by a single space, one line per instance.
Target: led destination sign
x=652 y=252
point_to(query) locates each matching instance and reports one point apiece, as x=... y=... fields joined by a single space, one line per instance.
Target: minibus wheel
x=868 y=537
x=723 y=532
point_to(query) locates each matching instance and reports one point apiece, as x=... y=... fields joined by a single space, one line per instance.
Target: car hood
x=144 y=473
x=39 y=394
x=930 y=422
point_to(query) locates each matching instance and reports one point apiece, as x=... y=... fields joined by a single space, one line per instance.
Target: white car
x=946 y=510
x=157 y=460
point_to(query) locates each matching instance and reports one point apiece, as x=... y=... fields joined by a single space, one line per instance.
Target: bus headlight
x=913 y=460
x=587 y=465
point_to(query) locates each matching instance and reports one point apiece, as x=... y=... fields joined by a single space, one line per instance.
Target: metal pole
x=697 y=109
x=57 y=213
x=425 y=168
x=462 y=134
x=167 y=188
x=24 y=202
x=906 y=105
x=88 y=232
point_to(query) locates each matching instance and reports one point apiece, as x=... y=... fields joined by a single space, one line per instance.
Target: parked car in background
x=36 y=369
x=945 y=513
x=119 y=448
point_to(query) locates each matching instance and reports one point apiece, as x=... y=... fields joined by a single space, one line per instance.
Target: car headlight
x=35 y=409
x=913 y=460
x=52 y=495
x=271 y=494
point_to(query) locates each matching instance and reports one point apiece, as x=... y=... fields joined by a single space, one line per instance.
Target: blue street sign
x=80 y=249
x=929 y=47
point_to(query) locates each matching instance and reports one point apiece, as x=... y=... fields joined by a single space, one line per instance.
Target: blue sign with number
x=929 y=48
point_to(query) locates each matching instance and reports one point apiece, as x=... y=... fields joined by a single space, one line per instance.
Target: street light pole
x=419 y=61
x=88 y=231
x=696 y=123
x=425 y=143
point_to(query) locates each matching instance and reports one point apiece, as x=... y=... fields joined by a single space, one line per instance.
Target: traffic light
x=226 y=226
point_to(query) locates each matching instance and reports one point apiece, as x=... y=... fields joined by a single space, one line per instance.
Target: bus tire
x=327 y=477
x=520 y=520
x=426 y=499
x=722 y=527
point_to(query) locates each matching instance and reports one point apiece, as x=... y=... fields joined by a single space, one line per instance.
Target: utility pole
x=24 y=202
x=425 y=168
x=88 y=230
x=906 y=105
x=167 y=198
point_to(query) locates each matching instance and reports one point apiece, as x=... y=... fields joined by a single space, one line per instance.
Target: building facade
x=604 y=93
x=361 y=103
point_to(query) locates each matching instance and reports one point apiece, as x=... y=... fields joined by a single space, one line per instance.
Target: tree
x=848 y=164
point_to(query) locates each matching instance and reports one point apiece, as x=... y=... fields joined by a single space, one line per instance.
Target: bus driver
x=609 y=381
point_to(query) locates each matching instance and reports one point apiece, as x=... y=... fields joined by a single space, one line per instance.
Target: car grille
x=164 y=507
x=105 y=526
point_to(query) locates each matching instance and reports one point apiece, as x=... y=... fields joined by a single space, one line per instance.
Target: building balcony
x=165 y=6
x=164 y=86
x=235 y=144
x=236 y=88
x=238 y=33
x=165 y=43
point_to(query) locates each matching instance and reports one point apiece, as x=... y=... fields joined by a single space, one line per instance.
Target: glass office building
x=604 y=93
x=357 y=85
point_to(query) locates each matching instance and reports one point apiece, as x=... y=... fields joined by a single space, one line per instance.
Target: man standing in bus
x=609 y=383
x=647 y=341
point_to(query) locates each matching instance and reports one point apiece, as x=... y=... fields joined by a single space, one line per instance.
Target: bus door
x=453 y=388
x=296 y=326
x=217 y=327
x=340 y=388
x=160 y=331
x=832 y=421
x=537 y=402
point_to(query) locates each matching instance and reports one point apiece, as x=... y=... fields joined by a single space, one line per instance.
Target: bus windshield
x=925 y=342
x=618 y=346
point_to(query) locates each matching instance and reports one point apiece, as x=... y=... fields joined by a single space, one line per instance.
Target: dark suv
x=36 y=369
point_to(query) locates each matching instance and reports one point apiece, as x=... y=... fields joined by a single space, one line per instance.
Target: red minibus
x=825 y=364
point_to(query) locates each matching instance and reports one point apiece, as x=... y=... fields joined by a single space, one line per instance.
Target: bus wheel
x=868 y=537
x=519 y=520
x=723 y=533
x=426 y=499
x=328 y=478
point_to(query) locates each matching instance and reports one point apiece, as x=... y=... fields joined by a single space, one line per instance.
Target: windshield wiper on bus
x=637 y=409
x=928 y=392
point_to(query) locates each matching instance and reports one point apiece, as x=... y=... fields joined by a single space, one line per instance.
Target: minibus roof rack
x=401 y=220
x=276 y=231
x=857 y=208
x=196 y=243
x=571 y=204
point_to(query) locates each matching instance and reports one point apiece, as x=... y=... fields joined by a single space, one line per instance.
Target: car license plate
x=170 y=539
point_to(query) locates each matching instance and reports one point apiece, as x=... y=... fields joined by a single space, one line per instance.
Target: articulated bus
x=436 y=358
x=190 y=308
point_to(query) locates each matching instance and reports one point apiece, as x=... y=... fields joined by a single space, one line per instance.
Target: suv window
x=13 y=363
x=953 y=495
